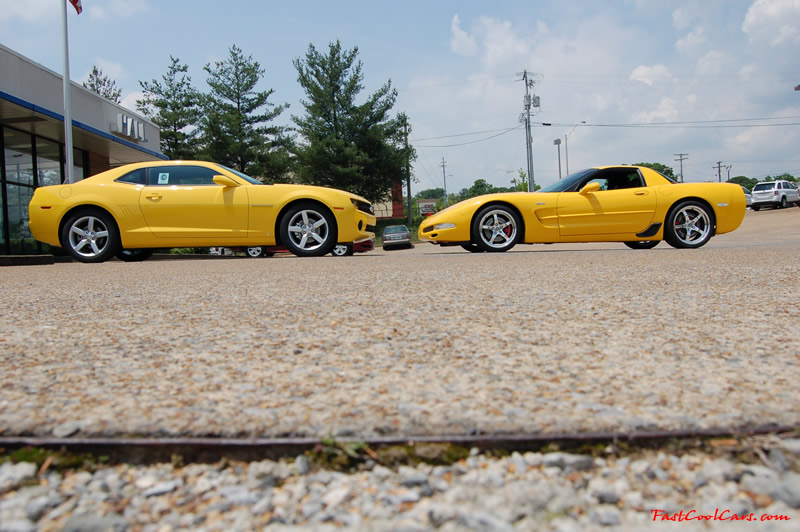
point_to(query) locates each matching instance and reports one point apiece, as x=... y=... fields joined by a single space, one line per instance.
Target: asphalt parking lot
x=426 y=341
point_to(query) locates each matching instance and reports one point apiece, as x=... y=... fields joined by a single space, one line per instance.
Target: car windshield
x=243 y=176
x=764 y=186
x=396 y=229
x=569 y=181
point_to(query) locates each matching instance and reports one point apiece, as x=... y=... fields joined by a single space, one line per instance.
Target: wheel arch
x=277 y=229
x=501 y=204
x=87 y=207
x=702 y=201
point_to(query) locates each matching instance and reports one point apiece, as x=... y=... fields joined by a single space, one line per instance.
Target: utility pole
x=728 y=168
x=681 y=157
x=408 y=171
x=444 y=180
x=526 y=118
x=719 y=171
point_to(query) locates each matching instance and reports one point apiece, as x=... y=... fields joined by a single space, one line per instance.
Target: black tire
x=90 y=236
x=755 y=207
x=472 y=248
x=642 y=244
x=689 y=224
x=134 y=255
x=496 y=228
x=342 y=250
x=783 y=202
x=308 y=230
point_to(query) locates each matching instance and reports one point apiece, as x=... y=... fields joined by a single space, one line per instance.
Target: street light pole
x=566 y=145
x=557 y=143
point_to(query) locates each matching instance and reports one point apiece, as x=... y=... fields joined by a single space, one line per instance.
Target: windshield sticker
x=163 y=179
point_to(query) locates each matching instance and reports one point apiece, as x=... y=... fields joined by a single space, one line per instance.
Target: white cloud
x=461 y=42
x=665 y=112
x=34 y=11
x=115 y=9
x=650 y=74
x=681 y=19
x=714 y=62
x=129 y=100
x=693 y=40
x=776 y=22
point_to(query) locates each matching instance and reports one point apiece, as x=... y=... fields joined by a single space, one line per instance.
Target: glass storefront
x=28 y=162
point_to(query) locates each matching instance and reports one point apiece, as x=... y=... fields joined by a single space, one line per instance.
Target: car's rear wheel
x=134 y=255
x=308 y=230
x=642 y=244
x=90 y=236
x=496 y=228
x=342 y=250
x=690 y=224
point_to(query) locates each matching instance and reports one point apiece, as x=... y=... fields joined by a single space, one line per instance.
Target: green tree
x=747 y=182
x=658 y=167
x=237 y=120
x=430 y=193
x=173 y=105
x=520 y=183
x=345 y=144
x=101 y=84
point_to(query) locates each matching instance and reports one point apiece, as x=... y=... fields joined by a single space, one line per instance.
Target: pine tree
x=173 y=105
x=347 y=145
x=237 y=120
x=101 y=84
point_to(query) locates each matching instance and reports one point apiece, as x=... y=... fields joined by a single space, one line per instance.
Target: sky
x=619 y=81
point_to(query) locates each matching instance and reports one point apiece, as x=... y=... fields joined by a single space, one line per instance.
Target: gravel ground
x=425 y=342
x=542 y=340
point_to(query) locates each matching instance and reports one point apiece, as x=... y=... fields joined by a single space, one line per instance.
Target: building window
x=48 y=162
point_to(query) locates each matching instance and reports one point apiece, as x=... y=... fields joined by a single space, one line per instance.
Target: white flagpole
x=67 y=100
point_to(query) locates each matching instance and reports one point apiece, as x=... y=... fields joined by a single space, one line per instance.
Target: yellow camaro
x=130 y=210
x=631 y=204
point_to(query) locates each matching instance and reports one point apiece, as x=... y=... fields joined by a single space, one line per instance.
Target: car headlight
x=439 y=227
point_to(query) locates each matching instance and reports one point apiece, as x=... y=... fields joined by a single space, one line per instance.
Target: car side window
x=617 y=179
x=181 y=176
x=137 y=177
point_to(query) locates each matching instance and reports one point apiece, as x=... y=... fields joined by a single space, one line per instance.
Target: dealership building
x=104 y=135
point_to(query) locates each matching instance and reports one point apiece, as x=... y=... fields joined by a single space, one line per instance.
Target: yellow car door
x=605 y=210
x=184 y=202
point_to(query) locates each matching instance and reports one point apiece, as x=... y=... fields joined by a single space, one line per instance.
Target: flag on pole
x=77 y=5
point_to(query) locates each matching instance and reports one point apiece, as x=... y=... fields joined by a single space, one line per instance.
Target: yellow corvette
x=130 y=210
x=631 y=204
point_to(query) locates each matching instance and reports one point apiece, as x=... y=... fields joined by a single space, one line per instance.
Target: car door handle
x=640 y=193
x=153 y=196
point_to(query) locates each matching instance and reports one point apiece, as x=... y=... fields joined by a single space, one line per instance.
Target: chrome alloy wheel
x=692 y=225
x=89 y=236
x=308 y=230
x=497 y=228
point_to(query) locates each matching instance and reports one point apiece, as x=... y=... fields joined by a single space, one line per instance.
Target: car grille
x=363 y=206
x=370 y=229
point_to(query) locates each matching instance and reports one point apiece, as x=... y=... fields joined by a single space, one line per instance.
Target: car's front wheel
x=134 y=255
x=342 y=250
x=783 y=202
x=308 y=230
x=690 y=224
x=255 y=252
x=90 y=236
x=642 y=244
x=496 y=228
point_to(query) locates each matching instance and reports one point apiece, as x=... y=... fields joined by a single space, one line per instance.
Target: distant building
x=32 y=142
x=394 y=207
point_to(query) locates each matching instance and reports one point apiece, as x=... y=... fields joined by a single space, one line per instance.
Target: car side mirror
x=225 y=181
x=594 y=186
